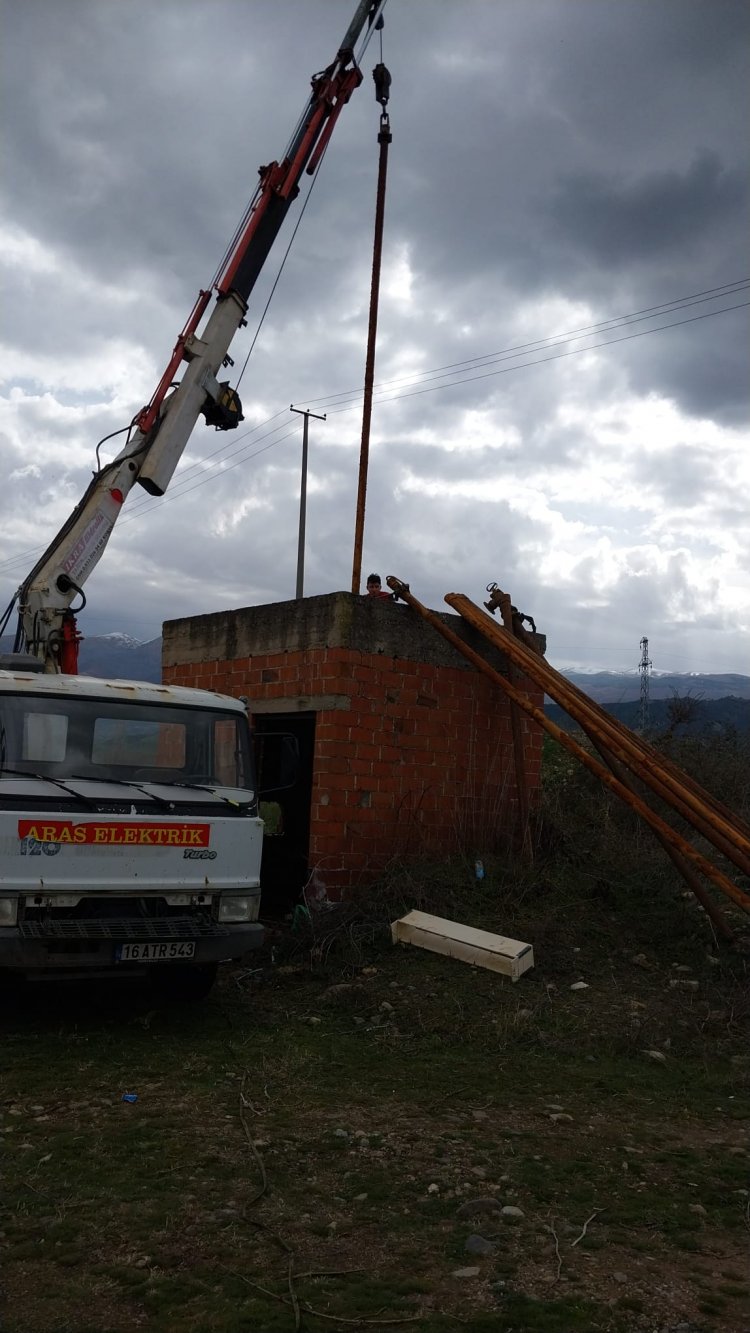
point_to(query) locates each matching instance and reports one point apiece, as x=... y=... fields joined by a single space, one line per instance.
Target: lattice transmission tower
x=644 y=668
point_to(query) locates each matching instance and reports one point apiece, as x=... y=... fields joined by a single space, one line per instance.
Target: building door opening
x=285 y=802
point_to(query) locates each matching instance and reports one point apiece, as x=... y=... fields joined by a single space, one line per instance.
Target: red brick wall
x=419 y=763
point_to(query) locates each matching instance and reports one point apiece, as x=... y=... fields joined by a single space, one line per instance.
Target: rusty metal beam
x=674 y=839
x=694 y=805
x=384 y=139
x=712 y=909
x=683 y=779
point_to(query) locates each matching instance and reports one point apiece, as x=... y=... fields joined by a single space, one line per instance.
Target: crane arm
x=160 y=431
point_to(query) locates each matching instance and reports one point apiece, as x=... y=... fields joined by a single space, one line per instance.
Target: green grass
x=119 y=1217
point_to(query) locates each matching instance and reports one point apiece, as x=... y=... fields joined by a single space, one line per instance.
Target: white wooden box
x=480 y=947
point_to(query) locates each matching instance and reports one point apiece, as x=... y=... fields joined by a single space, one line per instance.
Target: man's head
x=373 y=583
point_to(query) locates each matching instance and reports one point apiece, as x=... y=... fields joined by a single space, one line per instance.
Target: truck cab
x=130 y=829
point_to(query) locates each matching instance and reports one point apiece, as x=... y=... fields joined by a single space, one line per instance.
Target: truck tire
x=183 y=981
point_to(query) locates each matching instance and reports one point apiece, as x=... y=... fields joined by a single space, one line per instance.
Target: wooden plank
x=479 y=947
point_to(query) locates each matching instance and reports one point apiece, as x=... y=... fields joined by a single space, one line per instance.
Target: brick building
x=405 y=747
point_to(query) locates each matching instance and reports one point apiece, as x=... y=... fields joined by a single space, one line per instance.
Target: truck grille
x=125 y=928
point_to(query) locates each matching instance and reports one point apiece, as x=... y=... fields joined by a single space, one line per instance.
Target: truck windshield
x=130 y=742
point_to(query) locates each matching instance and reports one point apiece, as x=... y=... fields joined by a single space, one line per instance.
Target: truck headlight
x=8 y=911
x=238 y=908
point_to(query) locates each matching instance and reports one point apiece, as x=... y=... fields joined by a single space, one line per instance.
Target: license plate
x=162 y=952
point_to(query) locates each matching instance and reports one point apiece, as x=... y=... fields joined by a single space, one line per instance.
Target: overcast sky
x=556 y=166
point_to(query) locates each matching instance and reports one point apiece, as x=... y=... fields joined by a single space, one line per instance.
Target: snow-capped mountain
x=621 y=686
x=114 y=656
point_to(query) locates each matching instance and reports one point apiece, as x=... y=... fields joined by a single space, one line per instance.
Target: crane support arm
x=161 y=430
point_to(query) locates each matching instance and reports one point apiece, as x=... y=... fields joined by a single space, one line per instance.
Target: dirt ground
x=335 y=1137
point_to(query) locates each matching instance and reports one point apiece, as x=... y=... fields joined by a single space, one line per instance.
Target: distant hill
x=719 y=702
x=114 y=656
x=708 y=715
x=619 y=686
x=119 y=655
x=723 y=700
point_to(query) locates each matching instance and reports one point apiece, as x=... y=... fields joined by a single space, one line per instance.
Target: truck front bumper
x=80 y=946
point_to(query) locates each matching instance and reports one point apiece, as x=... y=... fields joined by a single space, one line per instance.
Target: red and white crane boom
x=160 y=432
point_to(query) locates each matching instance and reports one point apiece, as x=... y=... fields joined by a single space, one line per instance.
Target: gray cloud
x=618 y=221
x=554 y=165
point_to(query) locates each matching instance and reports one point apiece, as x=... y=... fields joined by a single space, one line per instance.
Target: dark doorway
x=286 y=810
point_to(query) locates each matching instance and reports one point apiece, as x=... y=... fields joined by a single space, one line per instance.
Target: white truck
x=129 y=828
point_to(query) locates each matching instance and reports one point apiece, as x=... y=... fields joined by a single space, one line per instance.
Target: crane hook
x=382 y=78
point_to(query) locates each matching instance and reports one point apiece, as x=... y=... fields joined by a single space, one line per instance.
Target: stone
x=341 y=989
x=476 y=1207
x=580 y=985
x=466 y=1272
x=478 y=1245
x=641 y=960
x=656 y=1055
x=560 y=1116
x=620 y=1277
x=510 y=1210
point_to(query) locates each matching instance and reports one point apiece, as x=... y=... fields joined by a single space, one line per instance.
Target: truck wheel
x=176 y=981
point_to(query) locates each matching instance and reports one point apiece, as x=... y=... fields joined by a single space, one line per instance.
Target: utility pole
x=306 y=413
x=644 y=667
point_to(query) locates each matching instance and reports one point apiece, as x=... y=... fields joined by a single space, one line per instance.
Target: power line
x=167 y=499
x=591 y=347
x=179 y=490
x=194 y=467
x=469 y=379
